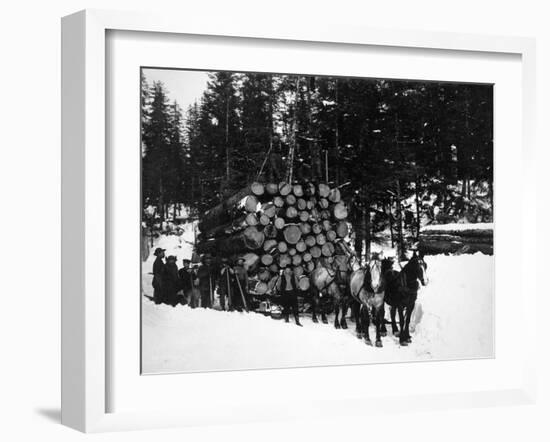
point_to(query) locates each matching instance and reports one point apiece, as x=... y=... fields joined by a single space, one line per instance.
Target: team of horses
x=366 y=289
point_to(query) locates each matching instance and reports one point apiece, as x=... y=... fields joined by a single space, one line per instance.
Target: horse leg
x=366 y=323
x=394 y=329
x=378 y=325
x=343 y=322
x=408 y=314
x=314 y=301
x=402 y=334
x=383 y=329
x=355 y=307
x=295 y=309
x=336 y=312
x=324 y=319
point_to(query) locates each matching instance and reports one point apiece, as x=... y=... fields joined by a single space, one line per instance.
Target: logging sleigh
x=274 y=226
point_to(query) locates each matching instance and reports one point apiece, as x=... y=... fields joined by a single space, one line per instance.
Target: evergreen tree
x=257 y=117
x=174 y=172
x=397 y=148
x=220 y=128
x=156 y=138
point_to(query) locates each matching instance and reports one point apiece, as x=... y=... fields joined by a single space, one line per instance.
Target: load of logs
x=275 y=226
x=456 y=239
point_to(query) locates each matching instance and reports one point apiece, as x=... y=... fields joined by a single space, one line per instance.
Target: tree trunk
x=417 y=199
x=340 y=211
x=400 y=245
x=232 y=227
x=292 y=234
x=161 y=199
x=249 y=239
x=359 y=232
x=390 y=219
x=293 y=140
x=316 y=166
x=365 y=217
x=227 y=152
x=224 y=212
x=336 y=155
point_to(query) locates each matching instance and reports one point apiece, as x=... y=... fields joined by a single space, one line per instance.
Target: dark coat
x=288 y=295
x=170 y=285
x=158 y=270
x=226 y=279
x=187 y=278
x=206 y=275
x=283 y=285
x=158 y=275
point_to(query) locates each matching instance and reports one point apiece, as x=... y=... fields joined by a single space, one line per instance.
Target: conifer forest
x=403 y=154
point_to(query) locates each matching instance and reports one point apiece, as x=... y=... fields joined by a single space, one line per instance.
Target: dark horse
x=401 y=291
x=366 y=287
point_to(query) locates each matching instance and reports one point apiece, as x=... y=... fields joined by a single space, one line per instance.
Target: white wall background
x=30 y=219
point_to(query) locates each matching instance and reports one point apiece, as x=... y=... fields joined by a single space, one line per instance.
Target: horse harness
x=328 y=284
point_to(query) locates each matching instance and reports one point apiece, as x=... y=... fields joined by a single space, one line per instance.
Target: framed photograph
x=259 y=214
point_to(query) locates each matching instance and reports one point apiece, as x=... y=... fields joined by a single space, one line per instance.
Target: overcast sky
x=185 y=87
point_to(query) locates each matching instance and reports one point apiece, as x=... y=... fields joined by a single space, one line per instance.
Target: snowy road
x=456 y=322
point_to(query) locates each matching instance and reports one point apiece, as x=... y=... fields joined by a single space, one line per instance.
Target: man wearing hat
x=158 y=272
x=226 y=279
x=207 y=281
x=187 y=282
x=241 y=298
x=170 y=284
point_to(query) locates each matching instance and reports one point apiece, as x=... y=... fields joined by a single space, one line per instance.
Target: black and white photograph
x=302 y=220
x=275 y=221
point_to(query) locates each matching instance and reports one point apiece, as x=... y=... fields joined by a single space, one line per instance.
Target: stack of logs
x=275 y=226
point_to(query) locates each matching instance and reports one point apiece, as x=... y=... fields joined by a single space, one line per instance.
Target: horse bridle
x=404 y=274
x=372 y=290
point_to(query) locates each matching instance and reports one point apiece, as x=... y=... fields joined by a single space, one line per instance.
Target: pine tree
x=393 y=145
x=174 y=172
x=221 y=129
x=156 y=138
x=257 y=116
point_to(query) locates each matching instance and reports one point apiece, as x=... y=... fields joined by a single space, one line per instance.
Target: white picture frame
x=85 y=311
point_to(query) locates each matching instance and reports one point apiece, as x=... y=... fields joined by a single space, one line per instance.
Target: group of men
x=198 y=286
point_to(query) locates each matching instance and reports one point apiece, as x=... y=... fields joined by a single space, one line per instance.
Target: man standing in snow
x=170 y=281
x=286 y=286
x=241 y=298
x=207 y=281
x=187 y=281
x=227 y=275
x=158 y=273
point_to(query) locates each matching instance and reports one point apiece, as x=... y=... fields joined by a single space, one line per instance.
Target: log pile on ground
x=456 y=238
x=275 y=226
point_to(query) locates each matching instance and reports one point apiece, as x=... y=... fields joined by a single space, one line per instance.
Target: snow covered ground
x=453 y=320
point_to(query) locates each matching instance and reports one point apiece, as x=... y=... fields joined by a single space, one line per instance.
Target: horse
x=367 y=290
x=329 y=283
x=401 y=291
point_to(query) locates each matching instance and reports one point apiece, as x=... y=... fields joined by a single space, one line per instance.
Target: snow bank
x=179 y=243
x=453 y=320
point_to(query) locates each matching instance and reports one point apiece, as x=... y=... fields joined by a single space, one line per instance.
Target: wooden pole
x=326 y=165
x=241 y=290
